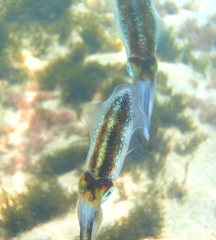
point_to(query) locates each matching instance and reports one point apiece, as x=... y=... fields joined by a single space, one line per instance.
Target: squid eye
x=153 y=68
x=83 y=184
x=107 y=194
x=85 y=181
x=130 y=70
x=134 y=69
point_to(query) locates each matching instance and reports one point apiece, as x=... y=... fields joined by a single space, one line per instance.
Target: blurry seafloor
x=54 y=58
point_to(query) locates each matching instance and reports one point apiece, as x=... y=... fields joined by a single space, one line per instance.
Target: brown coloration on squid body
x=110 y=138
x=146 y=69
x=138 y=26
x=91 y=190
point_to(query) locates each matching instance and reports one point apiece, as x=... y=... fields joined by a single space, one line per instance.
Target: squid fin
x=115 y=29
x=161 y=27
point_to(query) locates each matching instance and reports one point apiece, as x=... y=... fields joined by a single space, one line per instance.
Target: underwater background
x=55 y=57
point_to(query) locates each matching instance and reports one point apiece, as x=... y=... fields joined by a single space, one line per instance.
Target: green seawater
x=58 y=56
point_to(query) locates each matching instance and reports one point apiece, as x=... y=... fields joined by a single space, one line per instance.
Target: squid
x=111 y=125
x=139 y=26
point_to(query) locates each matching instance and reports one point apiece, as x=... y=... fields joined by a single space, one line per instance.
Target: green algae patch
x=90 y=33
x=189 y=146
x=146 y=219
x=199 y=37
x=170 y=113
x=32 y=11
x=94 y=33
x=198 y=63
x=166 y=114
x=61 y=161
x=41 y=203
x=177 y=192
x=79 y=81
x=31 y=25
x=168 y=50
x=83 y=83
x=60 y=69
